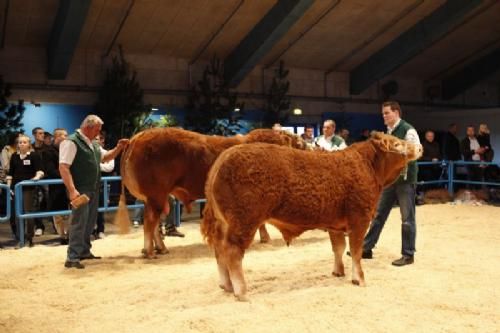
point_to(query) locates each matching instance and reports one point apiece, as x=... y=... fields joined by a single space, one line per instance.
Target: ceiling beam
x=262 y=38
x=64 y=36
x=410 y=43
x=458 y=82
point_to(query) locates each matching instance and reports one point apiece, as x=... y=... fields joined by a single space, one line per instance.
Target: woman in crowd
x=25 y=164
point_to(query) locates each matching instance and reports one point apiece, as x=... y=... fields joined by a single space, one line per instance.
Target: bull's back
x=289 y=185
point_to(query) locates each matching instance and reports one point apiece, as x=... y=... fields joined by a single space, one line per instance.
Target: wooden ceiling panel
x=461 y=46
x=250 y=13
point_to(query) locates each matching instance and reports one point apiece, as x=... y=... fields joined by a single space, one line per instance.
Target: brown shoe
x=174 y=233
x=404 y=260
x=73 y=264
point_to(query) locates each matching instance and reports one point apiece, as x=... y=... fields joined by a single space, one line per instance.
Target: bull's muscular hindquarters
x=252 y=184
x=164 y=161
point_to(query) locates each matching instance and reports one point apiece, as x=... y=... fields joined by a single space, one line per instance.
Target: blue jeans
x=82 y=225
x=405 y=195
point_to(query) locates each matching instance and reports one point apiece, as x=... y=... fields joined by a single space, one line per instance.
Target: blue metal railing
x=451 y=181
x=19 y=207
x=4 y=188
x=21 y=215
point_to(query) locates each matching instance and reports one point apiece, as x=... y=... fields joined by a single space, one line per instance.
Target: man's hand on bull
x=122 y=143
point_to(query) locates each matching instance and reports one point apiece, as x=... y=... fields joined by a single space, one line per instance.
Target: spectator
x=483 y=137
x=344 y=134
x=47 y=138
x=472 y=152
x=308 y=136
x=451 y=144
x=403 y=190
x=25 y=164
x=9 y=150
x=329 y=141
x=431 y=153
x=79 y=159
x=365 y=135
x=41 y=192
x=58 y=199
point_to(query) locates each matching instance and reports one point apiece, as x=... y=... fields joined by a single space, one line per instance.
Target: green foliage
x=166 y=120
x=120 y=101
x=278 y=102
x=211 y=105
x=11 y=115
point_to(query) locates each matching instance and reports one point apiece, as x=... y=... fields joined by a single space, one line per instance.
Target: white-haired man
x=79 y=159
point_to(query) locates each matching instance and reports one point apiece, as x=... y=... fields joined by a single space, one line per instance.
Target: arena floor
x=452 y=287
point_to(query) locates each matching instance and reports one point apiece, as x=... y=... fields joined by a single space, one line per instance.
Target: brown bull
x=297 y=191
x=164 y=161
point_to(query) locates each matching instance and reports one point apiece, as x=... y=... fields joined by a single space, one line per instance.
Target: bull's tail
x=122 y=217
x=209 y=227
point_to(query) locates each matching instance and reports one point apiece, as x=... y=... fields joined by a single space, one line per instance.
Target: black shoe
x=73 y=264
x=64 y=241
x=90 y=257
x=174 y=233
x=365 y=255
x=404 y=260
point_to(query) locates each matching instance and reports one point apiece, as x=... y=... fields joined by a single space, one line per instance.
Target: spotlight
x=236 y=109
x=297 y=111
x=154 y=109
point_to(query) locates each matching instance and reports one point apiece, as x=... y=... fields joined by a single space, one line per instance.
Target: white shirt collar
x=86 y=138
x=390 y=129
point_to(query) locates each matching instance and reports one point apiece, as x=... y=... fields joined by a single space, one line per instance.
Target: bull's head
x=295 y=141
x=392 y=144
x=394 y=155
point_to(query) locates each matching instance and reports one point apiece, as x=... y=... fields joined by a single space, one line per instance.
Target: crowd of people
x=81 y=159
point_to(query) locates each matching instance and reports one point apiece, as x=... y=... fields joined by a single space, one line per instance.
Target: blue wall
x=52 y=116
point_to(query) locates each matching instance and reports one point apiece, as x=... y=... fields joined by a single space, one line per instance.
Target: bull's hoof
x=358 y=283
x=162 y=251
x=337 y=274
x=228 y=289
x=147 y=255
x=265 y=240
x=242 y=298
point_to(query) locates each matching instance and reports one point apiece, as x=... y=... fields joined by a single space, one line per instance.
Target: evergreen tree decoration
x=211 y=107
x=120 y=101
x=11 y=115
x=278 y=102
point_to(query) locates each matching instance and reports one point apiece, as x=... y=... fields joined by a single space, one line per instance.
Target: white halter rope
x=404 y=173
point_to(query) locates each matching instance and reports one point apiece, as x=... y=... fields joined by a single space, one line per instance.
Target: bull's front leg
x=338 y=246
x=356 y=246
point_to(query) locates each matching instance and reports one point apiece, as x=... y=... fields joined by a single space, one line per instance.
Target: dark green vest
x=85 y=170
x=412 y=170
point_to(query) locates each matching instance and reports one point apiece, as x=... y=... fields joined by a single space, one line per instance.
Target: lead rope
x=405 y=170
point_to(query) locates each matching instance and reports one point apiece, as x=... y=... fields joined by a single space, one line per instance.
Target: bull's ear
x=381 y=141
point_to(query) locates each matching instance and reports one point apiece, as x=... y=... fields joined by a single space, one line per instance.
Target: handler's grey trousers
x=80 y=229
x=405 y=195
